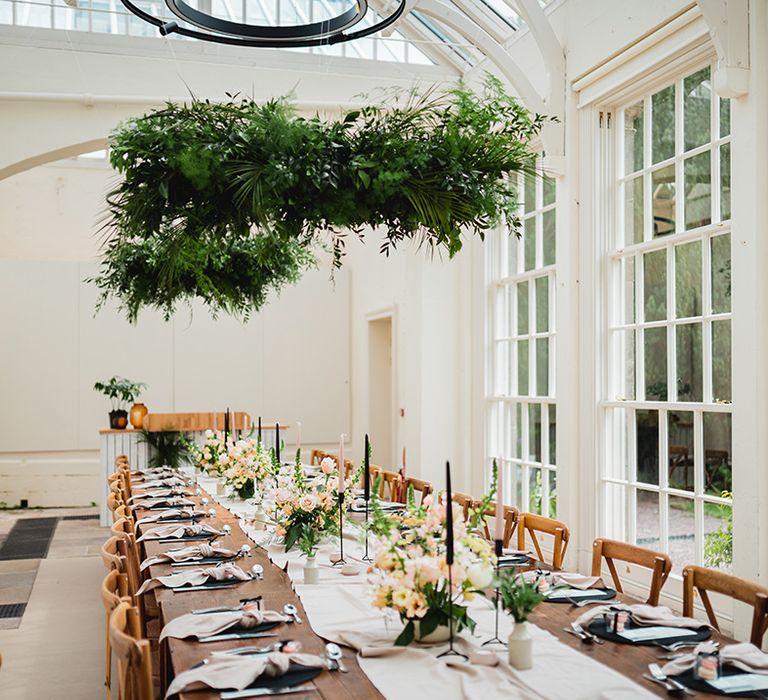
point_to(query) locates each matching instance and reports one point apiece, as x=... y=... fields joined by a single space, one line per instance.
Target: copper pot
x=138 y=411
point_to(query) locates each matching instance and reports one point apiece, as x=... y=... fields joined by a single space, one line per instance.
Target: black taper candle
x=259 y=428
x=277 y=442
x=367 y=473
x=448 y=516
x=226 y=426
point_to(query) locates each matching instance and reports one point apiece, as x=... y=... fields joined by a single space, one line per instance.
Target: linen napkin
x=200 y=626
x=238 y=672
x=164 y=482
x=177 y=531
x=172 y=502
x=196 y=551
x=158 y=473
x=196 y=577
x=564 y=578
x=160 y=493
x=171 y=514
x=744 y=656
x=644 y=615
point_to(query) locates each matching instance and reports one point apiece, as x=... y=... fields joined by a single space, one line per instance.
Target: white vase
x=221 y=485
x=311 y=571
x=520 y=646
x=441 y=633
x=259 y=518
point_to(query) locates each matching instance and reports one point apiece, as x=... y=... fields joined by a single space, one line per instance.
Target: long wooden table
x=275 y=588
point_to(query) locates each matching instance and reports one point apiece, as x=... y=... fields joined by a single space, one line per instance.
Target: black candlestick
x=226 y=427
x=367 y=492
x=496 y=639
x=277 y=442
x=259 y=429
x=341 y=531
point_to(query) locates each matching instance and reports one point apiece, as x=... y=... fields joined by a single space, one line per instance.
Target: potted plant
x=168 y=448
x=121 y=393
x=519 y=599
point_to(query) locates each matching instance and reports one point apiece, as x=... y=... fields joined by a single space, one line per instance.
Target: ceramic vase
x=311 y=571
x=441 y=633
x=520 y=646
x=138 y=411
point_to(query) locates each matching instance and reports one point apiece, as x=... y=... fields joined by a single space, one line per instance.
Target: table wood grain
x=276 y=590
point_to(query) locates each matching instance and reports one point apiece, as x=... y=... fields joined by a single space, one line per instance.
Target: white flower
x=480 y=575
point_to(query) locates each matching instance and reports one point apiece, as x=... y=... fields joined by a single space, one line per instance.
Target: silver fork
x=586 y=635
x=672 y=685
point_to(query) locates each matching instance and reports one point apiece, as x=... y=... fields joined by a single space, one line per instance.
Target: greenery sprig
x=229 y=202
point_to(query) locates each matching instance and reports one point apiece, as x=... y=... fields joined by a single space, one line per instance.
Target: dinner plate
x=689 y=681
x=576 y=595
x=296 y=675
x=599 y=628
x=204 y=560
x=507 y=560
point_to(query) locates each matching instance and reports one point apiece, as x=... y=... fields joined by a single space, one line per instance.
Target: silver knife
x=259 y=692
x=226 y=637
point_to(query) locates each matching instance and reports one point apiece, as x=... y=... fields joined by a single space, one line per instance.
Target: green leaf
x=406 y=636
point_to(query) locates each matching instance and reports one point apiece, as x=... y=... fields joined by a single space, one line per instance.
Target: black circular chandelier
x=333 y=30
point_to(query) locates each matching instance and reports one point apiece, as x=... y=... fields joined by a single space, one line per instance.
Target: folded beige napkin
x=155 y=473
x=645 y=615
x=564 y=578
x=177 y=531
x=196 y=577
x=172 y=502
x=196 y=551
x=160 y=493
x=238 y=672
x=744 y=656
x=164 y=482
x=200 y=626
x=171 y=514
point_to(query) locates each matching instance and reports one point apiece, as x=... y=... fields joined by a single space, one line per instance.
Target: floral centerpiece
x=213 y=457
x=410 y=571
x=249 y=466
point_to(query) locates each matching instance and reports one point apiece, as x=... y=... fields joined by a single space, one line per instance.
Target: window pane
x=522 y=368
x=655 y=285
x=628 y=268
x=717 y=453
x=718 y=536
x=697 y=107
x=682 y=529
x=542 y=304
x=517 y=443
x=721 y=274
x=725 y=181
x=681 y=465
x=522 y=308
x=534 y=432
x=656 y=364
x=721 y=361
x=552 y=434
x=6 y=12
x=688 y=279
x=663 y=124
x=552 y=493
x=30 y=14
x=689 y=363
x=633 y=138
x=513 y=245
x=518 y=486
x=529 y=193
x=550 y=241
x=664 y=201
x=502 y=365
x=725 y=116
x=542 y=366
x=627 y=351
x=529 y=243
x=648 y=523
x=648 y=446
x=633 y=210
x=698 y=191
x=549 y=186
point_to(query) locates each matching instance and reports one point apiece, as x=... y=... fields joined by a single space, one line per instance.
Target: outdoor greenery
x=229 y=202
x=167 y=448
x=718 y=545
x=120 y=391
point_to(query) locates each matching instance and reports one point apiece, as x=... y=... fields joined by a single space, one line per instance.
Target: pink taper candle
x=340 y=488
x=499 y=503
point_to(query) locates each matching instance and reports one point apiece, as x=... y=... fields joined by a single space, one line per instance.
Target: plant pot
x=260 y=518
x=138 y=411
x=441 y=633
x=520 y=646
x=311 y=571
x=118 y=420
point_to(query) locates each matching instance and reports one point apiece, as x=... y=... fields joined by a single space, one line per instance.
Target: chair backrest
x=110 y=555
x=391 y=483
x=113 y=501
x=419 y=485
x=114 y=590
x=317 y=457
x=123 y=512
x=532 y=524
x=658 y=562
x=134 y=661
x=464 y=501
x=510 y=521
x=702 y=580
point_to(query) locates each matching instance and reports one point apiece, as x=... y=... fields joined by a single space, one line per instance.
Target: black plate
x=689 y=681
x=188 y=538
x=204 y=560
x=507 y=560
x=296 y=675
x=599 y=594
x=598 y=627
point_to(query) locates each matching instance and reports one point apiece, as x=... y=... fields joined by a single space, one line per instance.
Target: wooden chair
x=375 y=473
x=702 y=580
x=533 y=523
x=659 y=563
x=123 y=512
x=391 y=483
x=134 y=660
x=110 y=555
x=419 y=485
x=510 y=522
x=317 y=457
x=113 y=501
x=464 y=501
x=114 y=590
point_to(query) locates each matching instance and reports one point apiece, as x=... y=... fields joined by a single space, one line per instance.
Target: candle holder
x=341 y=560
x=366 y=556
x=450 y=651
x=496 y=639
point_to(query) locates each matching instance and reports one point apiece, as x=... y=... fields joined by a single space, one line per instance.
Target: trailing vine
x=228 y=202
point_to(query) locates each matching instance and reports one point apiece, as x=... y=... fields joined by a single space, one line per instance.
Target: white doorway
x=381 y=390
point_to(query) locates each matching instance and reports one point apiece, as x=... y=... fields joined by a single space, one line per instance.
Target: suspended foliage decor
x=229 y=202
